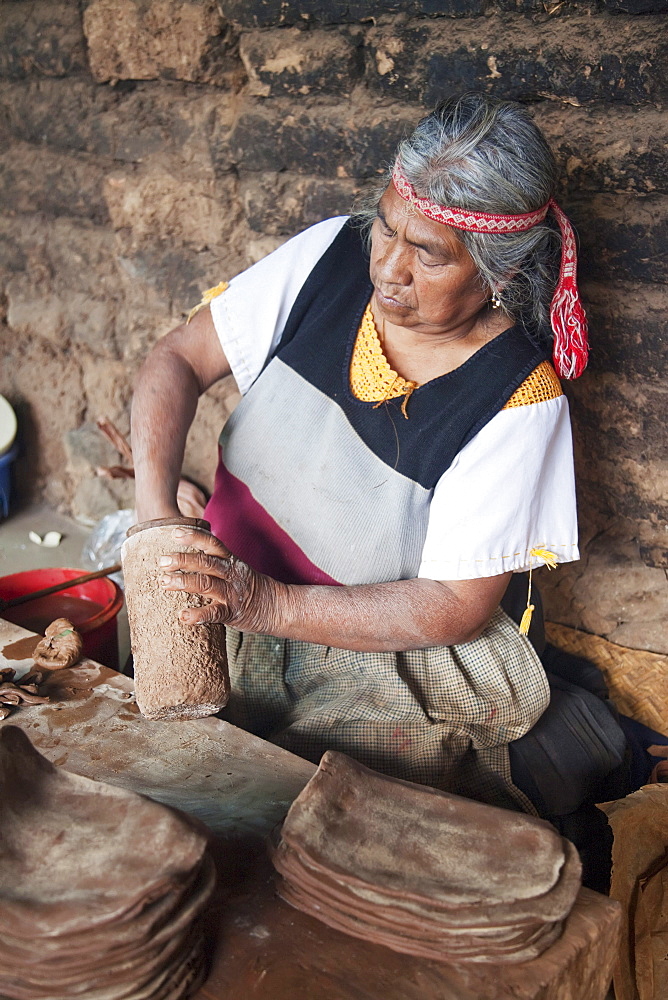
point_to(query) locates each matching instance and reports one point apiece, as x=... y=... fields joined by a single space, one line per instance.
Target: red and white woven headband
x=567 y=315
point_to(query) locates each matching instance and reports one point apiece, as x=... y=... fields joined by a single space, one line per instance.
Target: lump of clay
x=95 y=879
x=13 y=693
x=61 y=646
x=180 y=670
x=422 y=871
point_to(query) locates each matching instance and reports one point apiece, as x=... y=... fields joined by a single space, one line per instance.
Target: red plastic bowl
x=98 y=626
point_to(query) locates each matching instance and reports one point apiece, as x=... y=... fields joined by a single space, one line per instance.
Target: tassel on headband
x=567 y=315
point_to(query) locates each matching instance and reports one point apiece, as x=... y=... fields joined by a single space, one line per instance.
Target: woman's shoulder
x=305 y=247
x=542 y=384
x=509 y=491
x=282 y=272
x=250 y=313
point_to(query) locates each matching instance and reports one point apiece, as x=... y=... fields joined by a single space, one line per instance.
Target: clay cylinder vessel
x=180 y=670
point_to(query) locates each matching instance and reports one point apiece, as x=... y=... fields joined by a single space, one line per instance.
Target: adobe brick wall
x=150 y=148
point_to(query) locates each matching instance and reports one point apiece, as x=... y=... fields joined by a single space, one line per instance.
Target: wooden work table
x=241 y=787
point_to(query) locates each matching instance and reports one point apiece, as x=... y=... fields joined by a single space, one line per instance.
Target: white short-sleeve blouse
x=509 y=491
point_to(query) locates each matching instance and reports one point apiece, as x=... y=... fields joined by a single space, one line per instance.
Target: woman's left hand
x=236 y=594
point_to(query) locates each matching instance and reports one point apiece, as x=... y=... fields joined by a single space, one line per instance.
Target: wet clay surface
x=234 y=782
x=21 y=649
x=242 y=787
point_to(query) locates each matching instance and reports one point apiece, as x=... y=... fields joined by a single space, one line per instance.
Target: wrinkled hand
x=236 y=595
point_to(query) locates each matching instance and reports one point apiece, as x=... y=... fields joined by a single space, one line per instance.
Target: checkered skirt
x=442 y=716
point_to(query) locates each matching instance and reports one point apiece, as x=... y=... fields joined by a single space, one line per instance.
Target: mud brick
x=41 y=38
x=628 y=324
x=552 y=8
x=637 y=6
x=65 y=254
x=610 y=592
x=95 y=498
x=12 y=257
x=325 y=199
x=296 y=62
x=621 y=237
x=588 y=63
x=33 y=178
x=603 y=149
x=110 y=384
x=175 y=118
x=81 y=258
x=580 y=59
x=68 y=289
x=86 y=448
x=620 y=426
x=123 y=123
x=275 y=13
x=653 y=549
x=284 y=204
x=67 y=114
x=47 y=404
x=164 y=200
x=152 y=118
x=322 y=140
x=172 y=39
x=176 y=275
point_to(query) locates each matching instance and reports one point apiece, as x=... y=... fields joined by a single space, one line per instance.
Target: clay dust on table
x=180 y=670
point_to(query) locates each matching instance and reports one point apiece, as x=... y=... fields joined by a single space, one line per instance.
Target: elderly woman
x=402 y=449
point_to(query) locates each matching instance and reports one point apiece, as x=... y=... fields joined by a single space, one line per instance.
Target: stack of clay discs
x=102 y=892
x=421 y=871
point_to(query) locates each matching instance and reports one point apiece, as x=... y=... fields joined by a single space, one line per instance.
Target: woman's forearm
x=181 y=366
x=405 y=614
x=402 y=615
x=163 y=408
x=379 y=617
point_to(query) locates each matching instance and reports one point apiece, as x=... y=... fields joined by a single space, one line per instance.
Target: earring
x=496 y=300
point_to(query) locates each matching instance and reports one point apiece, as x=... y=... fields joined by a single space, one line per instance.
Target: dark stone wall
x=152 y=147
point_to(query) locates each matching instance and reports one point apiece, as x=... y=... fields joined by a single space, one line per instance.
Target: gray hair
x=486 y=155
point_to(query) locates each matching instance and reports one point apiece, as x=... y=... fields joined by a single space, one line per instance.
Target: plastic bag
x=103 y=546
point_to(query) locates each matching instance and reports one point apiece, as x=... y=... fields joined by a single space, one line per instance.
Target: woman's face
x=424 y=278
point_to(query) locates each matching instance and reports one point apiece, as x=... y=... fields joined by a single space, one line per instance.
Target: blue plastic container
x=6 y=478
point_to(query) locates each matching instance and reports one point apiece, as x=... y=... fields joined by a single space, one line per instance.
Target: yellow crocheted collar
x=372 y=379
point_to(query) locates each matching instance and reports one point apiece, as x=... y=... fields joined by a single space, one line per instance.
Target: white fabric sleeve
x=251 y=314
x=510 y=490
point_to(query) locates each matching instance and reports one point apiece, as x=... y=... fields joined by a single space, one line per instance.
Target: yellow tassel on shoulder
x=550 y=560
x=209 y=296
x=525 y=624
